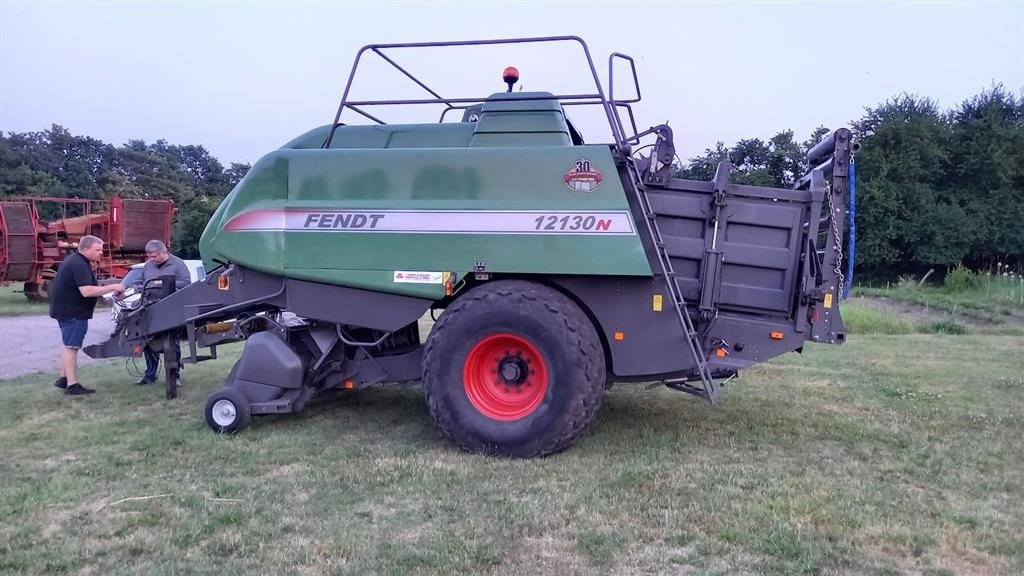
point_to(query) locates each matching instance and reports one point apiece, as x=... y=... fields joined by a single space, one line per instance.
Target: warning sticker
x=414 y=277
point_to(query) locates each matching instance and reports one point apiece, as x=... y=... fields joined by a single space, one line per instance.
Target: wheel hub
x=505 y=376
x=513 y=370
x=224 y=413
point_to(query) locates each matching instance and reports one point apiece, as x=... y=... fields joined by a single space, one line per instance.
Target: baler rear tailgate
x=759 y=240
x=759 y=234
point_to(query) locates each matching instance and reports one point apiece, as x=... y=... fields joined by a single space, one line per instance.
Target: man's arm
x=90 y=291
x=147 y=273
x=181 y=276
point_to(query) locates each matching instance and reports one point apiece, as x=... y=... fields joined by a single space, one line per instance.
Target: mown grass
x=14 y=303
x=991 y=297
x=888 y=455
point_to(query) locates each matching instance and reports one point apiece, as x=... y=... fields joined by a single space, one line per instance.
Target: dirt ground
x=32 y=343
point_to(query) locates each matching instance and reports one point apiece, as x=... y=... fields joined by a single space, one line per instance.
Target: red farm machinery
x=36 y=233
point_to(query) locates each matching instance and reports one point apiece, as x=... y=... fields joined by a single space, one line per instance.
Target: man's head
x=91 y=247
x=157 y=251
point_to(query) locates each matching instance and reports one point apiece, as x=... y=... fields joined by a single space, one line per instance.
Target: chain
x=833 y=220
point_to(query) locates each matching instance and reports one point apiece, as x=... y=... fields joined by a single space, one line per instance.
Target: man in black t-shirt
x=73 y=296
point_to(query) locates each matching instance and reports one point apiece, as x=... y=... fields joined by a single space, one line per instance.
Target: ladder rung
x=664 y=260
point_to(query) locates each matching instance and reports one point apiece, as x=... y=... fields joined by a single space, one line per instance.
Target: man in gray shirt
x=159 y=263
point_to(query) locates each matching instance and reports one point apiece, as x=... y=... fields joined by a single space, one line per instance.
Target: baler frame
x=598 y=98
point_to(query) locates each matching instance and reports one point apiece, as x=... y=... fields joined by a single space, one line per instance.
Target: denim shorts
x=72 y=331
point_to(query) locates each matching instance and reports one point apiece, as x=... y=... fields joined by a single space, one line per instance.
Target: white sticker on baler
x=415 y=277
x=551 y=222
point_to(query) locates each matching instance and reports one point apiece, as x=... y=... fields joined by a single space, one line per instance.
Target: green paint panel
x=470 y=168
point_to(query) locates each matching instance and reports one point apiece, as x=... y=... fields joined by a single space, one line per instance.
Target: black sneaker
x=61 y=383
x=145 y=381
x=77 y=389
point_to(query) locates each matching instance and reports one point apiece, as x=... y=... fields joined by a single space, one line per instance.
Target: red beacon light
x=510 y=76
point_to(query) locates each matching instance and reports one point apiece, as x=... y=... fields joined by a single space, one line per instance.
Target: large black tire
x=227 y=411
x=37 y=292
x=544 y=368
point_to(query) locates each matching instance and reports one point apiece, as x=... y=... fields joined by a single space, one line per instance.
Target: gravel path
x=32 y=343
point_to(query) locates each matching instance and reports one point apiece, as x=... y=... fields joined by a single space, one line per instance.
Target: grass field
x=892 y=454
x=13 y=302
x=991 y=298
x=871 y=316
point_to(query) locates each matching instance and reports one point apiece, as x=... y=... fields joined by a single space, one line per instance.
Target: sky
x=242 y=78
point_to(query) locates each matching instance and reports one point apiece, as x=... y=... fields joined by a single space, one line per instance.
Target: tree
x=235 y=174
x=750 y=161
x=152 y=171
x=57 y=163
x=17 y=177
x=903 y=201
x=189 y=223
x=703 y=167
x=987 y=172
x=777 y=162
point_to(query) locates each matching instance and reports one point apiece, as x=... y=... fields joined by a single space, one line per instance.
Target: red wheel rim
x=505 y=376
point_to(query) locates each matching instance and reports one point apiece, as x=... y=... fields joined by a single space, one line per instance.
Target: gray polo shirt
x=173 y=265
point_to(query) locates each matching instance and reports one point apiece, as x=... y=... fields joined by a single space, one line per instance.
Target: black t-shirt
x=66 y=301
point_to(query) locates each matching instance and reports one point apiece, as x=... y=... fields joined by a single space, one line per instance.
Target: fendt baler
x=560 y=266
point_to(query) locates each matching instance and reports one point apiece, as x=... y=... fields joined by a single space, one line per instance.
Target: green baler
x=559 y=267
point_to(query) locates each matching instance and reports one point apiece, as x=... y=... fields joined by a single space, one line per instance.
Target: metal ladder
x=707 y=390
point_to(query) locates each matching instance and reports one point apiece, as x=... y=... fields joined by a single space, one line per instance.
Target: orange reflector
x=350 y=384
x=620 y=336
x=721 y=353
x=136 y=349
x=222 y=282
x=777 y=335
